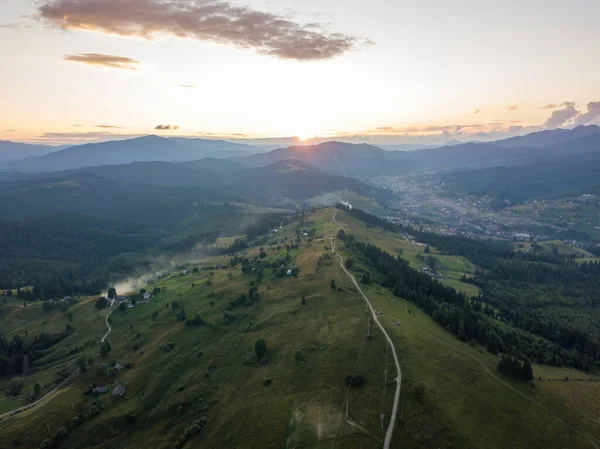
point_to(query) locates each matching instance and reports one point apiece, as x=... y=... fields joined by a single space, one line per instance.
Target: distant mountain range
x=140 y=149
x=11 y=151
x=296 y=180
x=125 y=190
x=549 y=137
x=338 y=158
x=89 y=194
x=557 y=176
x=361 y=161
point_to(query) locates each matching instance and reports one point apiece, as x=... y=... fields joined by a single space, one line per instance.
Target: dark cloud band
x=204 y=20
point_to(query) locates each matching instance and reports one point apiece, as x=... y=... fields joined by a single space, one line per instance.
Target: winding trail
x=16 y=411
x=108 y=324
x=483 y=365
x=398 y=379
x=566 y=425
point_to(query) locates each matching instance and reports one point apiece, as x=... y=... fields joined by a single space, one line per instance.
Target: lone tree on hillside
x=104 y=349
x=112 y=293
x=101 y=303
x=261 y=348
x=333 y=286
x=355 y=380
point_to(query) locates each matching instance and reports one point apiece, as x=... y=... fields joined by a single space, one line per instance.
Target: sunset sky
x=389 y=71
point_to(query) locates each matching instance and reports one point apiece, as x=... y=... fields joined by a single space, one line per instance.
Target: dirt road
x=398 y=379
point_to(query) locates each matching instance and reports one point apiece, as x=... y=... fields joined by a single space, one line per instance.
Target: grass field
x=464 y=393
x=179 y=373
x=452 y=267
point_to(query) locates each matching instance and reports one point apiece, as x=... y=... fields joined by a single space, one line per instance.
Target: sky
x=379 y=71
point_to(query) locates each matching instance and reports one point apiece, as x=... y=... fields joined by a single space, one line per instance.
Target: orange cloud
x=476 y=111
x=512 y=107
x=100 y=60
x=211 y=21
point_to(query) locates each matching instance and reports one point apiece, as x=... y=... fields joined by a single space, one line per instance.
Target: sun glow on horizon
x=304 y=136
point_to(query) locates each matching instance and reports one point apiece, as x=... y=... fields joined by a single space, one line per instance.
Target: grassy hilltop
x=198 y=383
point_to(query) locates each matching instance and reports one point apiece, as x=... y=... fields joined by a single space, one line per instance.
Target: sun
x=305 y=136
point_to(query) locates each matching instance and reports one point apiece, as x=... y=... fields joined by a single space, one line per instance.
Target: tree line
x=470 y=319
x=17 y=355
x=525 y=291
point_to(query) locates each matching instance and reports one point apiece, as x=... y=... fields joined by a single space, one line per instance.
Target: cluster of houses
x=119 y=390
x=432 y=273
x=125 y=299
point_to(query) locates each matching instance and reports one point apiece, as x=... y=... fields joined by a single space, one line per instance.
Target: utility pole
x=347 y=400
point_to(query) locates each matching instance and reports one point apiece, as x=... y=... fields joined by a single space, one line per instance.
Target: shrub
x=75 y=421
x=47 y=443
x=101 y=303
x=418 y=391
x=355 y=380
x=60 y=433
x=267 y=381
x=15 y=386
x=104 y=349
x=261 y=348
x=298 y=355
x=197 y=320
